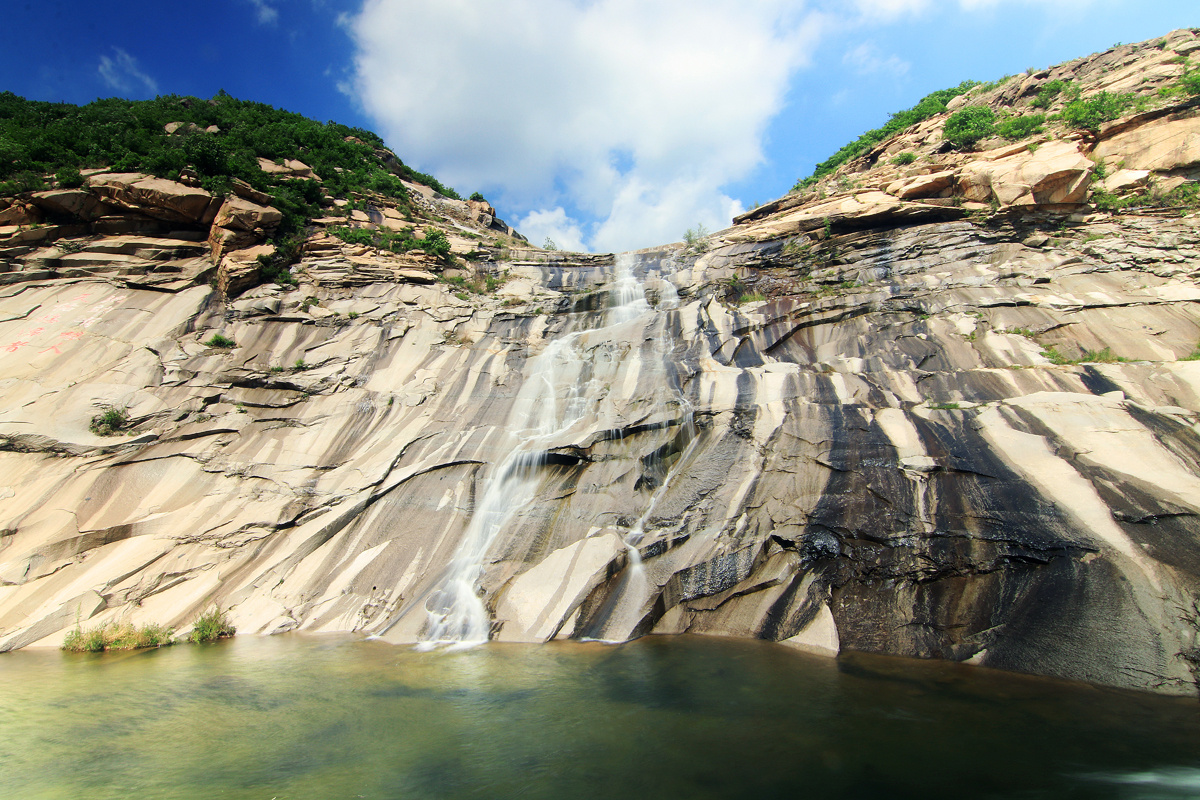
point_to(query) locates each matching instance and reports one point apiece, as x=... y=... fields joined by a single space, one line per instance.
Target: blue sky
x=604 y=124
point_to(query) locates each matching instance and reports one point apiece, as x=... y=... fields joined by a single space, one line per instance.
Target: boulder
x=244 y=215
x=248 y=192
x=157 y=197
x=20 y=214
x=921 y=185
x=1057 y=173
x=73 y=202
x=1125 y=179
x=1158 y=145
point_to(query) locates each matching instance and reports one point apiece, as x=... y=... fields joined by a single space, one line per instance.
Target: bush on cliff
x=967 y=126
x=38 y=138
x=930 y=105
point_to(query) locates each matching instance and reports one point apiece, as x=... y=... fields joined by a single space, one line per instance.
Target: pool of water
x=311 y=717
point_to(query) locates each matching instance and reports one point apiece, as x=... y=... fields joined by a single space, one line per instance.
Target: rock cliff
x=945 y=408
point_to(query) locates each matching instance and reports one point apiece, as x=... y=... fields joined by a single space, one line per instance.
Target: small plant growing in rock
x=116 y=636
x=300 y=365
x=904 y=159
x=221 y=341
x=549 y=244
x=943 y=406
x=693 y=239
x=109 y=422
x=210 y=626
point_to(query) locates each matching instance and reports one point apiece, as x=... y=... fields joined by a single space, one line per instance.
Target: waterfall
x=556 y=397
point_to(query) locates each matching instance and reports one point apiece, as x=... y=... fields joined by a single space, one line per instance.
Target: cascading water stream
x=551 y=402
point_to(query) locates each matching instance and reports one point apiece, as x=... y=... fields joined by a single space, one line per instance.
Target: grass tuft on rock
x=109 y=422
x=117 y=636
x=221 y=341
x=210 y=626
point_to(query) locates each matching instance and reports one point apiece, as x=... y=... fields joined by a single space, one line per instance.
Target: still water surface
x=302 y=717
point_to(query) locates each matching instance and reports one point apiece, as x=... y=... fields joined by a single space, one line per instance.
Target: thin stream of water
x=558 y=395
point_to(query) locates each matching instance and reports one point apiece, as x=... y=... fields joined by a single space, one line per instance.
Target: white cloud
x=267 y=14
x=555 y=225
x=867 y=59
x=891 y=10
x=887 y=10
x=634 y=113
x=121 y=73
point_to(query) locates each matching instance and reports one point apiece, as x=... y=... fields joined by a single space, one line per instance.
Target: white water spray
x=556 y=397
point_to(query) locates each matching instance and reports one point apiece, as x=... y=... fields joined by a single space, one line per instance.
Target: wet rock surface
x=896 y=453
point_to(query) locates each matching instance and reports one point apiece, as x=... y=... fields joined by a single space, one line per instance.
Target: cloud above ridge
x=121 y=73
x=633 y=114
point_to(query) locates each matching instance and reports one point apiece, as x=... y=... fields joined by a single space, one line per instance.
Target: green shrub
x=221 y=341
x=968 y=125
x=435 y=243
x=69 y=178
x=116 y=636
x=300 y=365
x=1089 y=113
x=904 y=159
x=1021 y=127
x=694 y=239
x=110 y=422
x=210 y=626
x=1049 y=91
x=477 y=197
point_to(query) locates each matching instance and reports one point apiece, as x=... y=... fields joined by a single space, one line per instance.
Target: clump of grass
x=1194 y=355
x=752 y=297
x=1105 y=356
x=116 y=636
x=110 y=422
x=905 y=158
x=221 y=341
x=943 y=406
x=210 y=626
x=300 y=365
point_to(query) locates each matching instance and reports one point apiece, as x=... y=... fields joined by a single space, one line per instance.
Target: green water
x=303 y=717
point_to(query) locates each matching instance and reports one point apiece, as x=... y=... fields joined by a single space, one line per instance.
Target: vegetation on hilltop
x=40 y=138
x=930 y=105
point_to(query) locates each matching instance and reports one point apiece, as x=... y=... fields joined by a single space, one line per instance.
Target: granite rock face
x=898 y=455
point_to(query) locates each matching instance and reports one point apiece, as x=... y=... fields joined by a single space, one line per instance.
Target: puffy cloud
x=630 y=113
x=866 y=59
x=267 y=14
x=121 y=73
x=555 y=225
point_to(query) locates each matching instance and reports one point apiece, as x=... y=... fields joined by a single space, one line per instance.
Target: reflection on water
x=297 y=717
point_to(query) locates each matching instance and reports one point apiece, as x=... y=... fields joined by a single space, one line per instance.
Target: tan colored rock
x=1125 y=179
x=157 y=197
x=21 y=214
x=921 y=185
x=224 y=240
x=540 y=600
x=76 y=202
x=1159 y=145
x=248 y=192
x=240 y=214
x=1056 y=174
